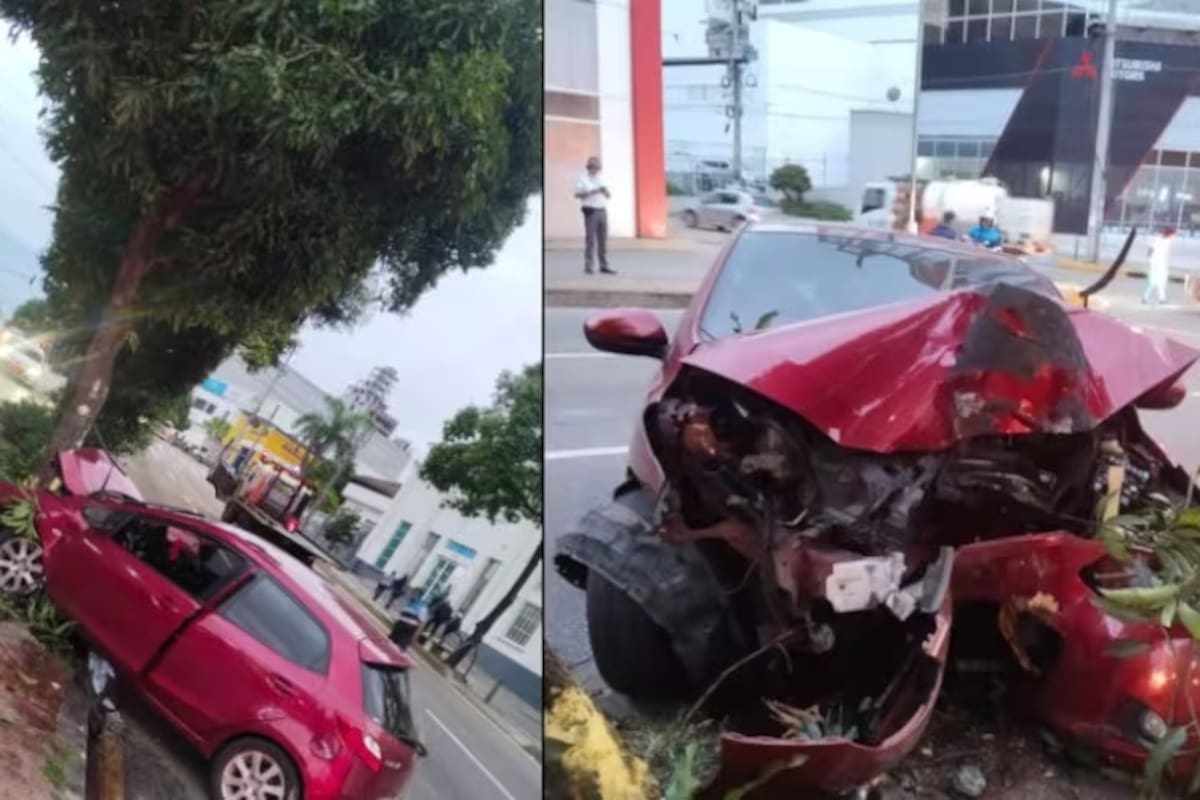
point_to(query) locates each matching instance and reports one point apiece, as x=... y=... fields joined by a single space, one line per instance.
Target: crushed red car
x=856 y=439
x=281 y=682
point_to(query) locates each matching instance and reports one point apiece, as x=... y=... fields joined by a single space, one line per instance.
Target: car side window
x=873 y=199
x=266 y=611
x=730 y=199
x=194 y=563
x=711 y=199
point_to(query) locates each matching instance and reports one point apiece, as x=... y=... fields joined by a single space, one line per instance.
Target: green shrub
x=793 y=181
x=25 y=429
x=822 y=210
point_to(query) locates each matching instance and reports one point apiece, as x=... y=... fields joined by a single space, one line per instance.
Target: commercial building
x=438 y=548
x=1012 y=88
x=603 y=96
x=829 y=85
x=282 y=395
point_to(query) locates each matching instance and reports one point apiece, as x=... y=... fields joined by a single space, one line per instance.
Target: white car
x=24 y=361
x=725 y=210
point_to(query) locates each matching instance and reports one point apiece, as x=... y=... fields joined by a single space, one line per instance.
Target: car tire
x=21 y=570
x=739 y=221
x=690 y=219
x=633 y=653
x=243 y=758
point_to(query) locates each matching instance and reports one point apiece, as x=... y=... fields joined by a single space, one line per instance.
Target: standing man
x=1160 y=268
x=593 y=195
x=945 y=228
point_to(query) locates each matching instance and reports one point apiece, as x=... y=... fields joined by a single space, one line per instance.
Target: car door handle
x=282 y=684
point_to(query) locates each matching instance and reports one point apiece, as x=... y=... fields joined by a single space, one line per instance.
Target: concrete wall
x=880 y=145
x=420 y=506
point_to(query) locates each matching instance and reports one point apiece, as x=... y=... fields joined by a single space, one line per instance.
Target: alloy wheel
x=20 y=566
x=253 y=775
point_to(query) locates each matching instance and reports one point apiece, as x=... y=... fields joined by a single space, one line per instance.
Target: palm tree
x=337 y=431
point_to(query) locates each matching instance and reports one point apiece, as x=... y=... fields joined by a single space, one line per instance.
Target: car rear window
x=266 y=611
x=387 y=699
x=773 y=278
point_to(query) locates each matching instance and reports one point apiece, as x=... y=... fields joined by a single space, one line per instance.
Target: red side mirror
x=628 y=331
x=1163 y=397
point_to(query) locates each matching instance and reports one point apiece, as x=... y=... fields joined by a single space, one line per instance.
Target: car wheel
x=739 y=220
x=633 y=653
x=256 y=768
x=690 y=219
x=21 y=573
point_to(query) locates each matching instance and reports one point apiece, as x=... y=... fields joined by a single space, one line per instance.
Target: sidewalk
x=650 y=275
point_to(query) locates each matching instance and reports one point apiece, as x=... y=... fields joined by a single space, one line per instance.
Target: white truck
x=1027 y=223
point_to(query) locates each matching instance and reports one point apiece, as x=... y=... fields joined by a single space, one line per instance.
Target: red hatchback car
x=282 y=683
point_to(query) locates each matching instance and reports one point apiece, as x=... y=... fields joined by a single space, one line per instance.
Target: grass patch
x=681 y=757
x=831 y=212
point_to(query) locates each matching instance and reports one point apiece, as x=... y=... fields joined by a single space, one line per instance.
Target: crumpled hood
x=920 y=375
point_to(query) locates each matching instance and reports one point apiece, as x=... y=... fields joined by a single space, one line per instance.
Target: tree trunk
x=484 y=625
x=88 y=384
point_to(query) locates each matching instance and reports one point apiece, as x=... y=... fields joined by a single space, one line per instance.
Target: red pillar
x=649 y=170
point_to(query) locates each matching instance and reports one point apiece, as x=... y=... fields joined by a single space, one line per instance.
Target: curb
x=622 y=245
x=451 y=678
x=613 y=298
x=1092 y=268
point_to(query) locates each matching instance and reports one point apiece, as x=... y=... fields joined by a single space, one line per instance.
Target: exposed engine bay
x=839 y=560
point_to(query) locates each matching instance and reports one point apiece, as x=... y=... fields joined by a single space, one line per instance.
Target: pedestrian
x=398 y=587
x=383 y=586
x=945 y=228
x=1160 y=268
x=593 y=196
x=452 y=627
x=440 y=613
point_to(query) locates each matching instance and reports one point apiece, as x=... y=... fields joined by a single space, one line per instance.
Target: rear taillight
x=291 y=524
x=362 y=744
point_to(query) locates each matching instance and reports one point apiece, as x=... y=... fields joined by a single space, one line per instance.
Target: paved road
x=469 y=757
x=592 y=401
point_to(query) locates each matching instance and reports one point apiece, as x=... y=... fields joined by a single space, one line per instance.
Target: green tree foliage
x=217 y=427
x=33 y=316
x=342 y=527
x=331 y=436
x=24 y=430
x=233 y=168
x=489 y=463
x=792 y=180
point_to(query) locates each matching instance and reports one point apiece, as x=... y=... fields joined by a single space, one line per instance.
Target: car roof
x=351 y=622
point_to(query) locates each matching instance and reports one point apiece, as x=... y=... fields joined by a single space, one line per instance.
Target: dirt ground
x=35 y=762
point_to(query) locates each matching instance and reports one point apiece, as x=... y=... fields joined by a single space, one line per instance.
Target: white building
x=436 y=547
x=822 y=68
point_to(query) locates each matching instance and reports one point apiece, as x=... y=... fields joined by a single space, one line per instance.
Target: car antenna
x=1111 y=272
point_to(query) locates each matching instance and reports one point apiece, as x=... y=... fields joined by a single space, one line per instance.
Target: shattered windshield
x=773 y=278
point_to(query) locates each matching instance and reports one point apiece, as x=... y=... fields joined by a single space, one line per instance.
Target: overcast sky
x=448 y=350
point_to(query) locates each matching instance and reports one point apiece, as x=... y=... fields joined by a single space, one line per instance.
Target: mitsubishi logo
x=1086 y=68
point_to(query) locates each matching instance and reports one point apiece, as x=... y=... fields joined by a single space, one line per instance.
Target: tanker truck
x=1026 y=223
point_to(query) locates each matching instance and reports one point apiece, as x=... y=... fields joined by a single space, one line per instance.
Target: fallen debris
x=968 y=781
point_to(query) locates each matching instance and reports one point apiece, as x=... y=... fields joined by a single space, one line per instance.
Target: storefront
x=1011 y=88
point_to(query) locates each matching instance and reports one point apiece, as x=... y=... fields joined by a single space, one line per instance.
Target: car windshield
x=773 y=278
x=387 y=699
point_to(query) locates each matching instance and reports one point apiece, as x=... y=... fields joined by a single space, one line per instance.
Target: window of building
x=525 y=625
x=1025 y=26
x=390 y=548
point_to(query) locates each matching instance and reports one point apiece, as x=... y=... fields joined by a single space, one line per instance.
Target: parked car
x=23 y=359
x=724 y=210
x=280 y=681
x=858 y=438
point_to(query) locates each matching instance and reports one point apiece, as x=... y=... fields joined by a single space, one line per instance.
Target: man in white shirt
x=593 y=195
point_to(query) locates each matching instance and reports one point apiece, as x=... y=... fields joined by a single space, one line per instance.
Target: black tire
x=21 y=572
x=236 y=750
x=739 y=221
x=690 y=219
x=633 y=653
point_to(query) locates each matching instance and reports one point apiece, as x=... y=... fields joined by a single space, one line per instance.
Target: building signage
x=1134 y=69
x=215 y=386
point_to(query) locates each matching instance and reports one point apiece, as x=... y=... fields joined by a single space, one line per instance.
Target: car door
x=708 y=209
x=106 y=572
x=273 y=654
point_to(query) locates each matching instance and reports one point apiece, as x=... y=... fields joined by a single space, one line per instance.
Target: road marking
x=584 y=354
x=587 y=452
x=470 y=755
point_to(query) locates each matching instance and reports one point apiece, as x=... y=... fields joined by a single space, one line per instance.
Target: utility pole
x=1103 y=127
x=912 y=221
x=735 y=76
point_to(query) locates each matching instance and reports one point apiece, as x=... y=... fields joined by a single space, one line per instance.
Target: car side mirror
x=1163 y=397
x=104 y=520
x=627 y=331
x=421 y=750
